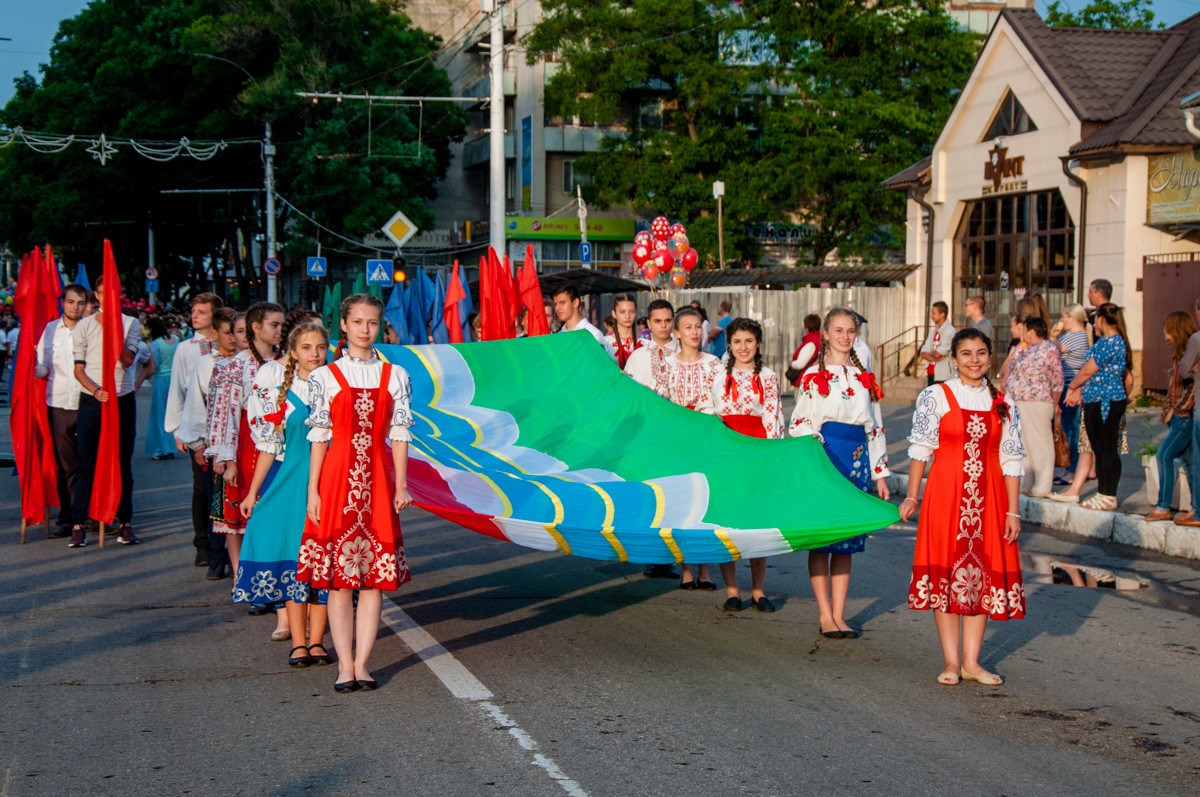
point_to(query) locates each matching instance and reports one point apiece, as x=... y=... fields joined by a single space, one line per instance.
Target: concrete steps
x=903 y=391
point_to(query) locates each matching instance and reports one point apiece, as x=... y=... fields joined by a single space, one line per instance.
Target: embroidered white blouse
x=228 y=389
x=647 y=365
x=932 y=405
x=323 y=386
x=690 y=384
x=849 y=401
x=747 y=401
x=193 y=415
x=263 y=400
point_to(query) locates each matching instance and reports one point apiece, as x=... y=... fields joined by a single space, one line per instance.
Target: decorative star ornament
x=102 y=150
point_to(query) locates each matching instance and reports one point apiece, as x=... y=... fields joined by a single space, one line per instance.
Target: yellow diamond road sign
x=399 y=229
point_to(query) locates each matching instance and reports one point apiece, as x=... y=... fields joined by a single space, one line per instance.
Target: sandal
x=1063 y=498
x=299 y=661
x=1157 y=515
x=949 y=678
x=319 y=658
x=1100 y=502
x=983 y=677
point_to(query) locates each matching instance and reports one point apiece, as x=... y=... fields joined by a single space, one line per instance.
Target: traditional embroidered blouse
x=267 y=418
x=621 y=351
x=648 y=365
x=227 y=392
x=1107 y=384
x=1035 y=373
x=323 y=387
x=690 y=384
x=932 y=405
x=841 y=394
x=740 y=393
x=193 y=414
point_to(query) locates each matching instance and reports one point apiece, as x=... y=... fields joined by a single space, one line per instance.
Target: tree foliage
x=801 y=109
x=140 y=69
x=1120 y=14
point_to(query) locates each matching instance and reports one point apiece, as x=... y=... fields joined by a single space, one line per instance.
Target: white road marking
x=465 y=686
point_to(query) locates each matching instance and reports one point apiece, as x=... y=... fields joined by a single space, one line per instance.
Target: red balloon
x=664 y=259
x=677 y=228
x=689 y=260
x=641 y=254
x=643 y=238
x=650 y=271
x=661 y=228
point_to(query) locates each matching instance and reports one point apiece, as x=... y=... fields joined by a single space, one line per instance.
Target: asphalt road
x=124 y=672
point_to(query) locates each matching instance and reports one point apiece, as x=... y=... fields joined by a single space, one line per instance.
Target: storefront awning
x=791 y=277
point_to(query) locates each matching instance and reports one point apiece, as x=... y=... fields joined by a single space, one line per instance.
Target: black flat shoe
x=346 y=686
x=851 y=634
x=299 y=661
x=319 y=658
x=763 y=605
x=732 y=605
x=258 y=611
x=707 y=586
x=367 y=685
x=834 y=634
x=687 y=584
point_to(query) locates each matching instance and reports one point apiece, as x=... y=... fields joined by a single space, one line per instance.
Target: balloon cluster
x=663 y=250
x=7 y=293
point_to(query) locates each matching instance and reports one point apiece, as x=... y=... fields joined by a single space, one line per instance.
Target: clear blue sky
x=31 y=24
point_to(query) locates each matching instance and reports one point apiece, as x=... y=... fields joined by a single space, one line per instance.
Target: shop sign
x=1003 y=172
x=1173 y=188
x=527 y=228
x=770 y=232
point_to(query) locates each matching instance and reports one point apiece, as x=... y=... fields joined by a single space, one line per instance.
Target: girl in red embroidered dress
x=357 y=485
x=746 y=397
x=624 y=340
x=966 y=565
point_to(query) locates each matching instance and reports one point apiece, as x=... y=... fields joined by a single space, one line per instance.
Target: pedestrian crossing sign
x=316 y=267
x=379 y=272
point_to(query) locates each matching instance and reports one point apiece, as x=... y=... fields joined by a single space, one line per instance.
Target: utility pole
x=719 y=193
x=582 y=221
x=496 y=138
x=269 y=187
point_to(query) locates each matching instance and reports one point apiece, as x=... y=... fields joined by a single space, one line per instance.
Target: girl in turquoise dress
x=278 y=408
x=159 y=444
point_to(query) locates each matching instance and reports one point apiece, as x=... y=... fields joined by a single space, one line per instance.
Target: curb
x=1132 y=530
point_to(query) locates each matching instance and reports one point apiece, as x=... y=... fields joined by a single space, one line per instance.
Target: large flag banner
x=530 y=289
x=543 y=442
x=36 y=304
x=456 y=292
x=106 y=487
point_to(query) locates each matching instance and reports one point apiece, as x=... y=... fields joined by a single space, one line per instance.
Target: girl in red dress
x=745 y=395
x=966 y=566
x=624 y=339
x=357 y=485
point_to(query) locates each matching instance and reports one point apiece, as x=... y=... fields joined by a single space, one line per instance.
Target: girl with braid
x=746 y=397
x=624 y=340
x=966 y=565
x=230 y=445
x=838 y=403
x=278 y=407
x=360 y=427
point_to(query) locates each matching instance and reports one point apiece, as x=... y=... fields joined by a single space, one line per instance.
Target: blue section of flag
x=437 y=310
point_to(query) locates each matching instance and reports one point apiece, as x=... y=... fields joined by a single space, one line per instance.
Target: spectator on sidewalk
x=1099 y=292
x=716 y=336
x=1071 y=337
x=1178 y=328
x=56 y=364
x=1188 y=364
x=974 y=310
x=806 y=353
x=1035 y=383
x=936 y=350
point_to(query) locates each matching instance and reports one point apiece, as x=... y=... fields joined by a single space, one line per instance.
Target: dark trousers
x=202 y=485
x=1105 y=437
x=87 y=446
x=66 y=457
x=127 y=409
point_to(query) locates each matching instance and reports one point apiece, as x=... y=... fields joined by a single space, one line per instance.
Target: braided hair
x=257 y=313
x=296 y=316
x=289 y=369
x=837 y=312
x=623 y=297
x=755 y=329
x=970 y=333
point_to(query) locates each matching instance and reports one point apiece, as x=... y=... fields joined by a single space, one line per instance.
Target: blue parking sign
x=585 y=252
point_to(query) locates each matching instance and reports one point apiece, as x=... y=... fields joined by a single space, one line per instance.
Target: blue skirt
x=846 y=445
x=158 y=442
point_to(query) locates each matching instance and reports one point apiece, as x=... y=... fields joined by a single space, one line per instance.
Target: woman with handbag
x=1177 y=412
x=1034 y=381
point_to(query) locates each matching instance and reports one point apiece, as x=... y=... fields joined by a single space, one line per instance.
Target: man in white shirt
x=187 y=355
x=88 y=340
x=566 y=309
x=936 y=351
x=56 y=364
x=646 y=366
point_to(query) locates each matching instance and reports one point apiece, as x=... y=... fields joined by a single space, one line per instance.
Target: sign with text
x=1173 y=188
x=1003 y=171
x=526 y=228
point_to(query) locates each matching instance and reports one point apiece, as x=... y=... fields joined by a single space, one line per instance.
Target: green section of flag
x=571 y=402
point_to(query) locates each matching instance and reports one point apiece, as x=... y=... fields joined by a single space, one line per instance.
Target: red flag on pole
x=28 y=419
x=496 y=298
x=531 y=297
x=455 y=293
x=106 y=488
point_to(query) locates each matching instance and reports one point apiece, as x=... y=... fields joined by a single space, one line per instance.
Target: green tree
x=1122 y=14
x=800 y=108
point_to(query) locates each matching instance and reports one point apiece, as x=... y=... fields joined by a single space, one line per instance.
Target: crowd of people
x=299 y=460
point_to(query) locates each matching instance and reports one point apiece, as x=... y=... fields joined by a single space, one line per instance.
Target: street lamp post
x=718 y=194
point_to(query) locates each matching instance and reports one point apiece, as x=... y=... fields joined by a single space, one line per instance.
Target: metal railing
x=893 y=356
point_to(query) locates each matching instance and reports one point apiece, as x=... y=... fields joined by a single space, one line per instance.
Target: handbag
x=1062 y=449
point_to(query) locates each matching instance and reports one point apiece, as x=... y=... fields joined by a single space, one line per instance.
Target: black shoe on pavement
x=201 y=558
x=125 y=535
x=659 y=571
x=78 y=537
x=217 y=572
x=732 y=605
x=763 y=605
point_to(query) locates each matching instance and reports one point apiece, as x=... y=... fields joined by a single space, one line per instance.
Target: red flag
x=28 y=419
x=496 y=298
x=106 y=488
x=512 y=297
x=454 y=294
x=531 y=297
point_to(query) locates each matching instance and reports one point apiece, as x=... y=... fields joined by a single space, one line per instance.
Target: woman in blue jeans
x=1071 y=337
x=1177 y=412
